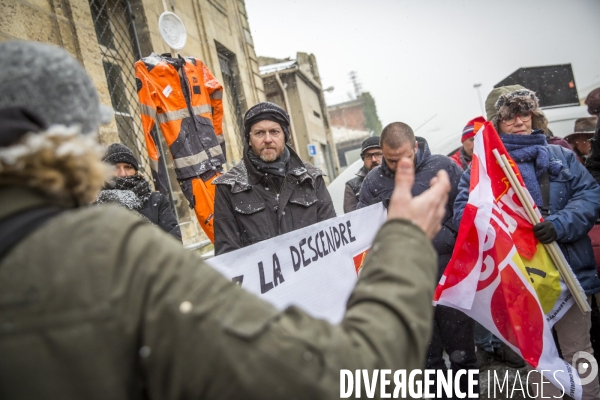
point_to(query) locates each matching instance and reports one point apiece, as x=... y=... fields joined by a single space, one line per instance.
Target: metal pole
x=553 y=250
x=477 y=86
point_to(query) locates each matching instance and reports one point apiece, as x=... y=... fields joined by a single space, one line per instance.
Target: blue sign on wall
x=312 y=150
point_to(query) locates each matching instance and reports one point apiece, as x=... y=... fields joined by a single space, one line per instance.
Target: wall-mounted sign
x=172 y=30
x=312 y=150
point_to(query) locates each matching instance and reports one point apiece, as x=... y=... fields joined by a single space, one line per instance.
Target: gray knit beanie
x=49 y=82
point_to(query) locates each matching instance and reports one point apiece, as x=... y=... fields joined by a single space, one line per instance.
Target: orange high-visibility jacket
x=171 y=91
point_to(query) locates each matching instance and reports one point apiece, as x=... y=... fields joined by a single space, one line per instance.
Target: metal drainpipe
x=287 y=106
x=329 y=135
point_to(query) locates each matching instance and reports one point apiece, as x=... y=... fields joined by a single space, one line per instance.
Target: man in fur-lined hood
x=98 y=304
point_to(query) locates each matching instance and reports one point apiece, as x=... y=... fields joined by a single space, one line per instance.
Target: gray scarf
x=277 y=167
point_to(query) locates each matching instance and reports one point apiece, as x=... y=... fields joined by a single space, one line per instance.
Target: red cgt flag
x=500 y=275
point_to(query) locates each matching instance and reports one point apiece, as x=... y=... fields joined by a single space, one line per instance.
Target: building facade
x=295 y=85
x=348 y=115
x=108 y=36
x=351 y=123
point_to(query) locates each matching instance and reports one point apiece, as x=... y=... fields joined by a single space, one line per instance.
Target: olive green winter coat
x=97 y=304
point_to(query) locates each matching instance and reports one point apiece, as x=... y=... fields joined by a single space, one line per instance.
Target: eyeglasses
x=378 y=154
x=524 y=117
x=262 y=134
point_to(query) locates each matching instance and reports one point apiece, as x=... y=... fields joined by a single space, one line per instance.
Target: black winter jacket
x=249 y=210
x=158 y=210
x=379 y=185
x=352 y=190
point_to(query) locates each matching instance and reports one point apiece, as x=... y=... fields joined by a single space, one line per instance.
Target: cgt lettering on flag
x=500 y=275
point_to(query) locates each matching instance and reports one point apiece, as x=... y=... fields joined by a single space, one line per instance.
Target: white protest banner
x=314 y=268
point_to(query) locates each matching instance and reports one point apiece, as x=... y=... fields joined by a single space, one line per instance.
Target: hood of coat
x=59 y=163
x=244 y=174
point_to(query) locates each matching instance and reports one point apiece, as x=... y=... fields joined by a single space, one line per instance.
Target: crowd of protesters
x=554 y=172
x=96 y=302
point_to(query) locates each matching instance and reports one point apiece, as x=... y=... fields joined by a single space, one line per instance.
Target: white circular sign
x=172 y=30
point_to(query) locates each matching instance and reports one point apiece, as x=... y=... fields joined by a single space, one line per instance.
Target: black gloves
x=545 y=232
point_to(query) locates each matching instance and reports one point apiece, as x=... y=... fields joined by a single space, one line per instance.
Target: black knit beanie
x=266 y=111
x=119 y=153
x=369 y=143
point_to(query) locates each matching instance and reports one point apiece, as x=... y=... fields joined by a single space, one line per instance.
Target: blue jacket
x=574 y=207
x=379 y=185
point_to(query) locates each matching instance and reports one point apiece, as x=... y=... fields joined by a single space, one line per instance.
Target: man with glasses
x=371 y=155
x=271 y=191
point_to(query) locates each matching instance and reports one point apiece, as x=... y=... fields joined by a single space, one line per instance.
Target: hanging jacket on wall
x=171 y=91
x=184 y=97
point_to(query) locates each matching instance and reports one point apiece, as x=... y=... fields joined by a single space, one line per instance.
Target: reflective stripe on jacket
x=183 y=96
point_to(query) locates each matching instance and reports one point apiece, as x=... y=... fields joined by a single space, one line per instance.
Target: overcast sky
x=421 y=58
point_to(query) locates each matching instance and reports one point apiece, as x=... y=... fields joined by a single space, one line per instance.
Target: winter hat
x=119 y=153
x=267 y=111
x=492 y=98
x=49 y=82
x=369 y=143
x=517 y=102
x=16 y=122
x=472 y=127
x=584 y=127
x=593 y=102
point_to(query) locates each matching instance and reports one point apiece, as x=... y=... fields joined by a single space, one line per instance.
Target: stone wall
x=65 y=23
x=213 y=27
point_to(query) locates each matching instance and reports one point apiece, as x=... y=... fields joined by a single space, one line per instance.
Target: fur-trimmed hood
x=59 y=163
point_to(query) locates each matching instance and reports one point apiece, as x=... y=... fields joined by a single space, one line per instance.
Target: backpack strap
x=16 y=227
x=545 y=189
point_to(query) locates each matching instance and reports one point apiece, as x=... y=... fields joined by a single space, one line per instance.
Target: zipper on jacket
x=185 y=85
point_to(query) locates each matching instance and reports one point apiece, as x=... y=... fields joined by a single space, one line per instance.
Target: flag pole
x=553 y=250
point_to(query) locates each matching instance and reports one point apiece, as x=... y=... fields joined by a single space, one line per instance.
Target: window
x=100 y=13
x=232 y=87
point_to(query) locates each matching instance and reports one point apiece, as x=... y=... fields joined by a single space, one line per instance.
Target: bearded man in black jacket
x=271 y=191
